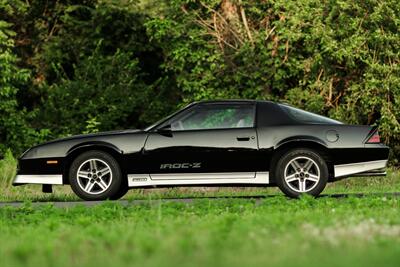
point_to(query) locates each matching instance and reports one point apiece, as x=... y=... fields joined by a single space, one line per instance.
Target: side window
x=215 y=116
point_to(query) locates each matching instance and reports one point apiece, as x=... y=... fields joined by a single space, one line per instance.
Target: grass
x=231 y=232
x=274 y=231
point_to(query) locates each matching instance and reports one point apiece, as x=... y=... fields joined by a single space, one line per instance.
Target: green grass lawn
x=274 y=231
x=230 y=232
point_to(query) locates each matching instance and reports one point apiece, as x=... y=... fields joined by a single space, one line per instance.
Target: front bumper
x=22 y=179
x=39 y=171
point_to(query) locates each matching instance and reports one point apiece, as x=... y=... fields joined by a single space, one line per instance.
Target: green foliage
x=332 y=57
x=14 y=129
x=103 y=72
x=92 y=125
x=98 y=65
x=82 y=27
x=93 y=68
x=106 y=89
x=7 y=169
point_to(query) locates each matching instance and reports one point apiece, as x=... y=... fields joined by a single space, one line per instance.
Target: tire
x=121 y=192
x=99 y=176
x=301 y=171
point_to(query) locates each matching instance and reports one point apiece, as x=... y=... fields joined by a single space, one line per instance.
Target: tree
x=335 y=58
x=14 y=130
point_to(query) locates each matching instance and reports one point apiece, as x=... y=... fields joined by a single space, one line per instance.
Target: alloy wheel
x=94 y=176
x=302 y=174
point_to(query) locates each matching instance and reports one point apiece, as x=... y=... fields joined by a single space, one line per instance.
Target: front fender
x=94 y=144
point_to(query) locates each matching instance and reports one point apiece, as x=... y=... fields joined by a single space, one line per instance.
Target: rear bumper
x=22 y=179
x=368 y=168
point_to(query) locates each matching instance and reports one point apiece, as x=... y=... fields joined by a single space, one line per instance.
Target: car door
x=209 y=140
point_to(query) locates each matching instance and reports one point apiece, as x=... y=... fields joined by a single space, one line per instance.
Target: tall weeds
x=8 y=167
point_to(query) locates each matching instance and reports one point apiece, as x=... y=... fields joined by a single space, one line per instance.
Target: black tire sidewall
x=121 y=192
x=116 y=183
x=284 y=160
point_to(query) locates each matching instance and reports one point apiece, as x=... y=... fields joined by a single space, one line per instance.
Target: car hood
x=84 y=136
x=99 y=134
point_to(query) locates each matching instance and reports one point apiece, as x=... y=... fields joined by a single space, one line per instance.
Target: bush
x=106 y=93
x=332 y=57
x=93 y=68
x=101 y=65
x=14 y=128
x=7 y=169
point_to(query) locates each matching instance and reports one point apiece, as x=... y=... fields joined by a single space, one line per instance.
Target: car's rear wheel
x=96 y=175
x=301 y=171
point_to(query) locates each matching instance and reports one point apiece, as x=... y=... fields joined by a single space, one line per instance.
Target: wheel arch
x=306 y=142
x=77 y=150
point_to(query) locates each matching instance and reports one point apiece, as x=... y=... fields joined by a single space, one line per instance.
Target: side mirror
x=166 y=130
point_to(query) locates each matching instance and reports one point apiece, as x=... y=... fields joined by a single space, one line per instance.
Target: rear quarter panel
x=349 y=147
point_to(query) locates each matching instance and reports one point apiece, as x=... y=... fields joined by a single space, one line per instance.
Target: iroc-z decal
x=193 y=165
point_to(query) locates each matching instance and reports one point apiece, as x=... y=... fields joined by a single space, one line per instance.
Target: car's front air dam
x=50 y=179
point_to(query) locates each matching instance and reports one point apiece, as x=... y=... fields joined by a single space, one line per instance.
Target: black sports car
x=235 y=142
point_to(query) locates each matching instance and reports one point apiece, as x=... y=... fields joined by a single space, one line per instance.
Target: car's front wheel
x=95 y=175
x=301 y=171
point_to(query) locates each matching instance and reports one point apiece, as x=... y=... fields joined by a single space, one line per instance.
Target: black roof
x=227 y=101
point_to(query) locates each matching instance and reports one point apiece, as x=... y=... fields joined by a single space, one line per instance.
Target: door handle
x=243 y=138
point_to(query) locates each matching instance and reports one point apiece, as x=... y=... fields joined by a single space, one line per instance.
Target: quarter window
x=307 y=117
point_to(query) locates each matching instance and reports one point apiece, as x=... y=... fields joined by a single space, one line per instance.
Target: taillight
x=374 y=138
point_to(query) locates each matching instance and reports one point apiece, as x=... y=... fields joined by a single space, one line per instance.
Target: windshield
x=307 y=117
